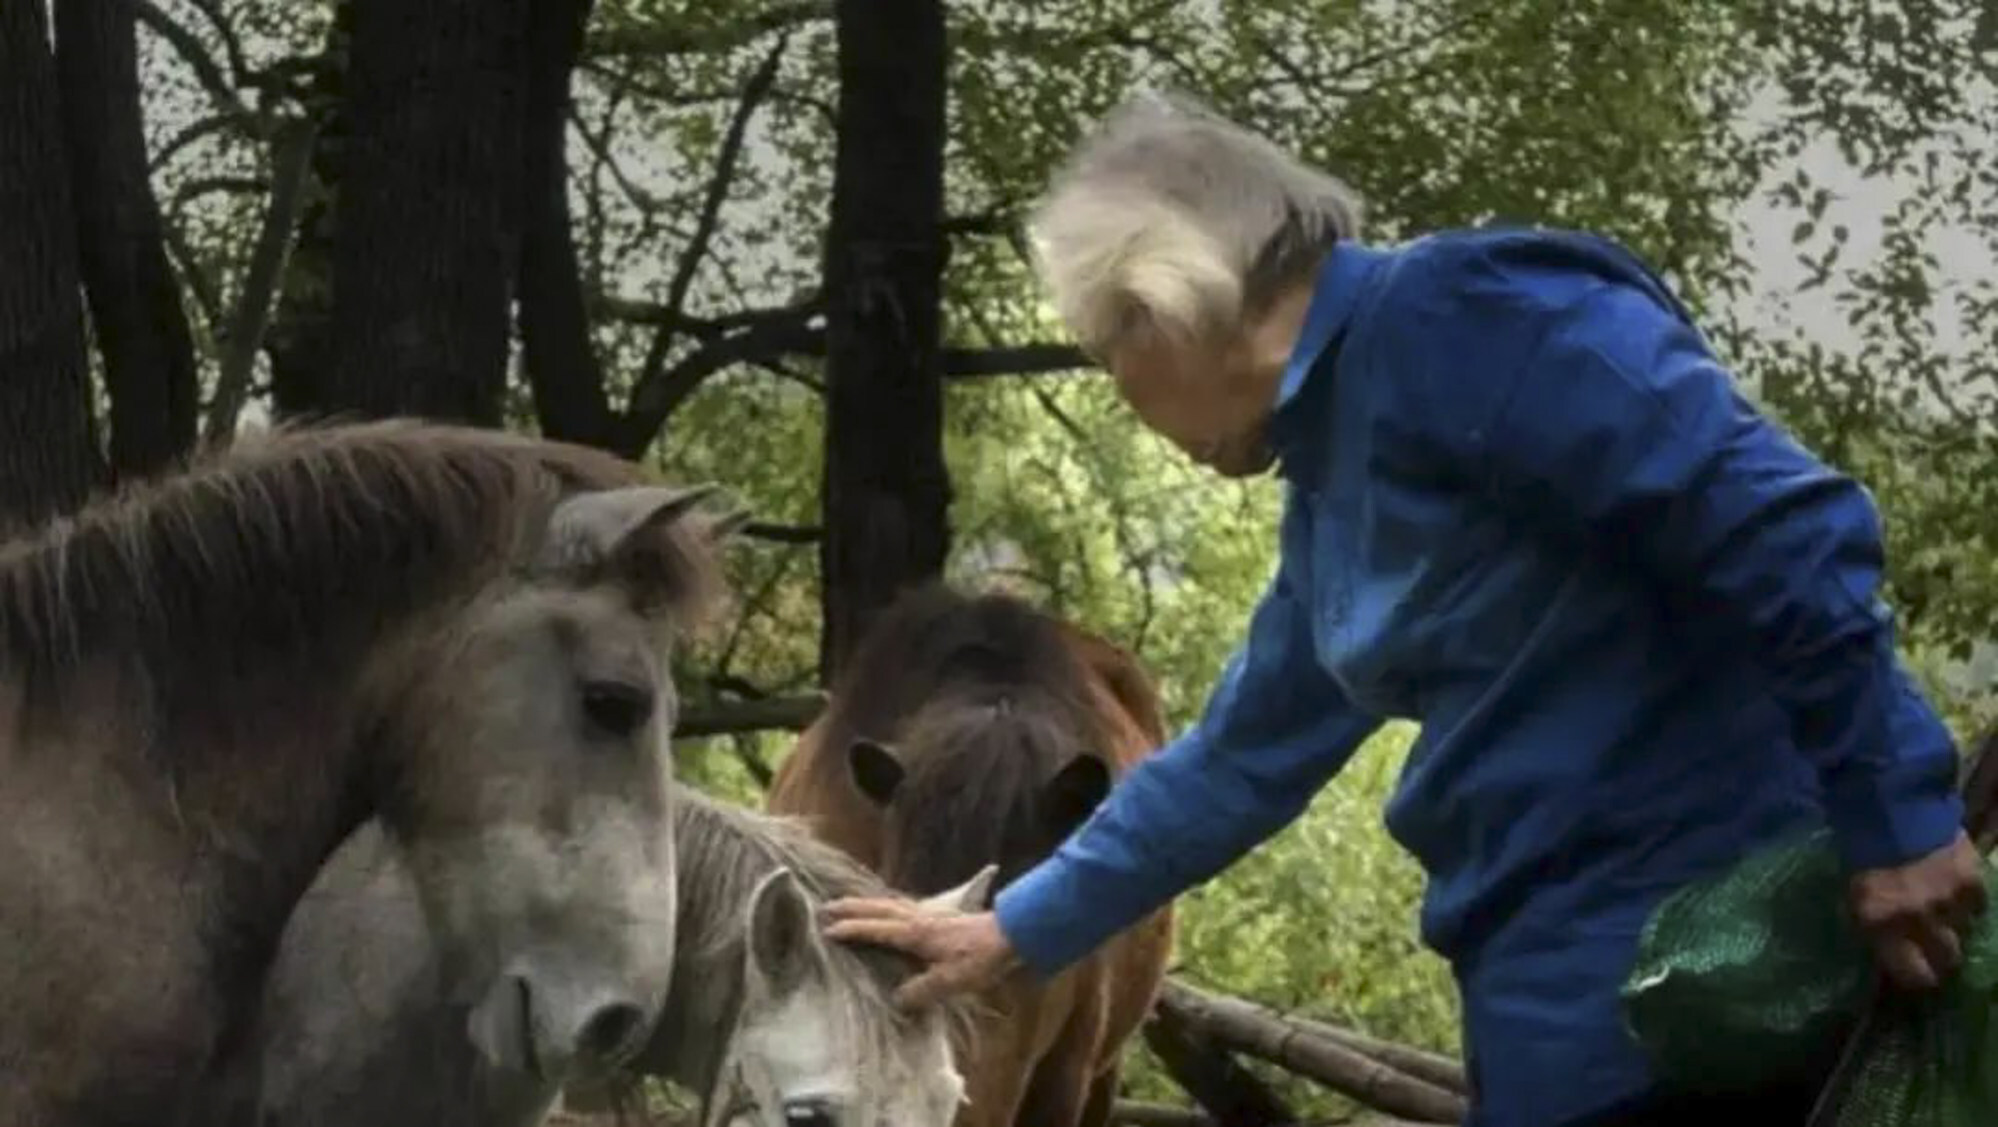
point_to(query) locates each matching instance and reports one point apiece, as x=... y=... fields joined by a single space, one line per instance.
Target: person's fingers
x=865 y=907
x=1940 y=946
x=1905 y=964
x=928 y=988
x=903 y=935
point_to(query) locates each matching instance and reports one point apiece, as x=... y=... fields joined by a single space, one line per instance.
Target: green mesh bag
x=1757 y=976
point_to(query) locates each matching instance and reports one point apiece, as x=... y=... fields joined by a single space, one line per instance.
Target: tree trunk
x=48 y=451
x=249 y=324
x=428 y=241
x=1242 y=1026
x=886 y=493
x=562 y=367
x=141 y=328
x=300 y=341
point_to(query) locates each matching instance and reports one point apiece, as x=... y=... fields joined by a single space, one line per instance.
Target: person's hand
x=962 y=952
x=1914 y=915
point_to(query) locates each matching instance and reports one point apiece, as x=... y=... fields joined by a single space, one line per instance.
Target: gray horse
x=770 y=1024
x=207 y=684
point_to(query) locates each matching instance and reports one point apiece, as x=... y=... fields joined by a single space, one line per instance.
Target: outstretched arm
x=1274 y=730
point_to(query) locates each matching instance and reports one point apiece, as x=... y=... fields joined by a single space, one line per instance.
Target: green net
x=1757 y=977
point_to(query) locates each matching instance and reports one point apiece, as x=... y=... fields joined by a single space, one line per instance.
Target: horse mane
x=1127 y=681
x=935 y=641
x=293 y=546
x=726 y=850
x=996 y=692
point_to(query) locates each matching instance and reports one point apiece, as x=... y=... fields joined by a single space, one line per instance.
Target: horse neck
x=261 y=777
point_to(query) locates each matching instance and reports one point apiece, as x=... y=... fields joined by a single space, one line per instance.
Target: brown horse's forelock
x=294 y=548
x=985 y=699
x=975 y=789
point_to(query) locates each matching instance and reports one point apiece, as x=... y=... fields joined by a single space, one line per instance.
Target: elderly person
x=1526 y=507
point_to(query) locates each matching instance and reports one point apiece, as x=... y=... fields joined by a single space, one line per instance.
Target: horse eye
x=615 y=707
x=809 y=1115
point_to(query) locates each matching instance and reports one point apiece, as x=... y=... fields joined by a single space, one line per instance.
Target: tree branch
x=994 y=221
x=655 y=401
x=1231 y=1094
x=189 y=47
x=1017 y=360
x=627 y=83
x=209 y=185
x=599 y=147
x=783 y=533
x=292 y=164
x=1429 y=1067
x=655 y=313
x=659 y=389
x=1260 y=1032
x=214 y=123
x=1040 y=358
x=745 y=754
x=1130 y=1113
x=790 y=713
x=240 y=71
x=727 y=160
x=669 y=39
x=199 y=283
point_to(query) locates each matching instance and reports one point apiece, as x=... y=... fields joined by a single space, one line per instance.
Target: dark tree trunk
x=562 y=367
x=429 y=232
x=886 y=492
x=300 y=341
x=48 y=453
x=141 y=329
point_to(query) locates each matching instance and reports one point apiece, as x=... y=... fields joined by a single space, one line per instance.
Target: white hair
x=1170 y=217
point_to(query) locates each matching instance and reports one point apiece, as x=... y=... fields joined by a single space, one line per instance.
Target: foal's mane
x=725 y=851
x=288 y=544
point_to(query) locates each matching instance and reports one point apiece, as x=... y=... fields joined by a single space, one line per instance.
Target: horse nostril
x=612 y=1031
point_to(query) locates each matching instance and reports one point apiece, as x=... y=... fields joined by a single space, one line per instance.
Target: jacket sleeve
x=1273 y=732
x=1618 y=423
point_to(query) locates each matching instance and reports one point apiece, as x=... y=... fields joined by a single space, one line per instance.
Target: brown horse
x=977 y=730
x=208 y=683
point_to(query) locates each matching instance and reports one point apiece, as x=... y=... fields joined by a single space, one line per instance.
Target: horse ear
x=877 y=770
x=974 y=895
x=784 y=948
x=727 y=525
x=589 y=528
x=1075 y=792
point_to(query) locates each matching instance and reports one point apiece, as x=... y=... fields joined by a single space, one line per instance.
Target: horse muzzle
x=551 y=1025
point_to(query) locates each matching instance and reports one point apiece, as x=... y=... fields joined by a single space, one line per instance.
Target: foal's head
x=1000 y=781
x=534 y=807
x=818 y=1041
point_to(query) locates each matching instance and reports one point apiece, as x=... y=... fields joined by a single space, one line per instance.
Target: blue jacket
x=1639 y=627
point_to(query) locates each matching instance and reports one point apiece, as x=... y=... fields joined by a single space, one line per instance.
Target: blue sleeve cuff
x=1906 y=812
x=1045 y=920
